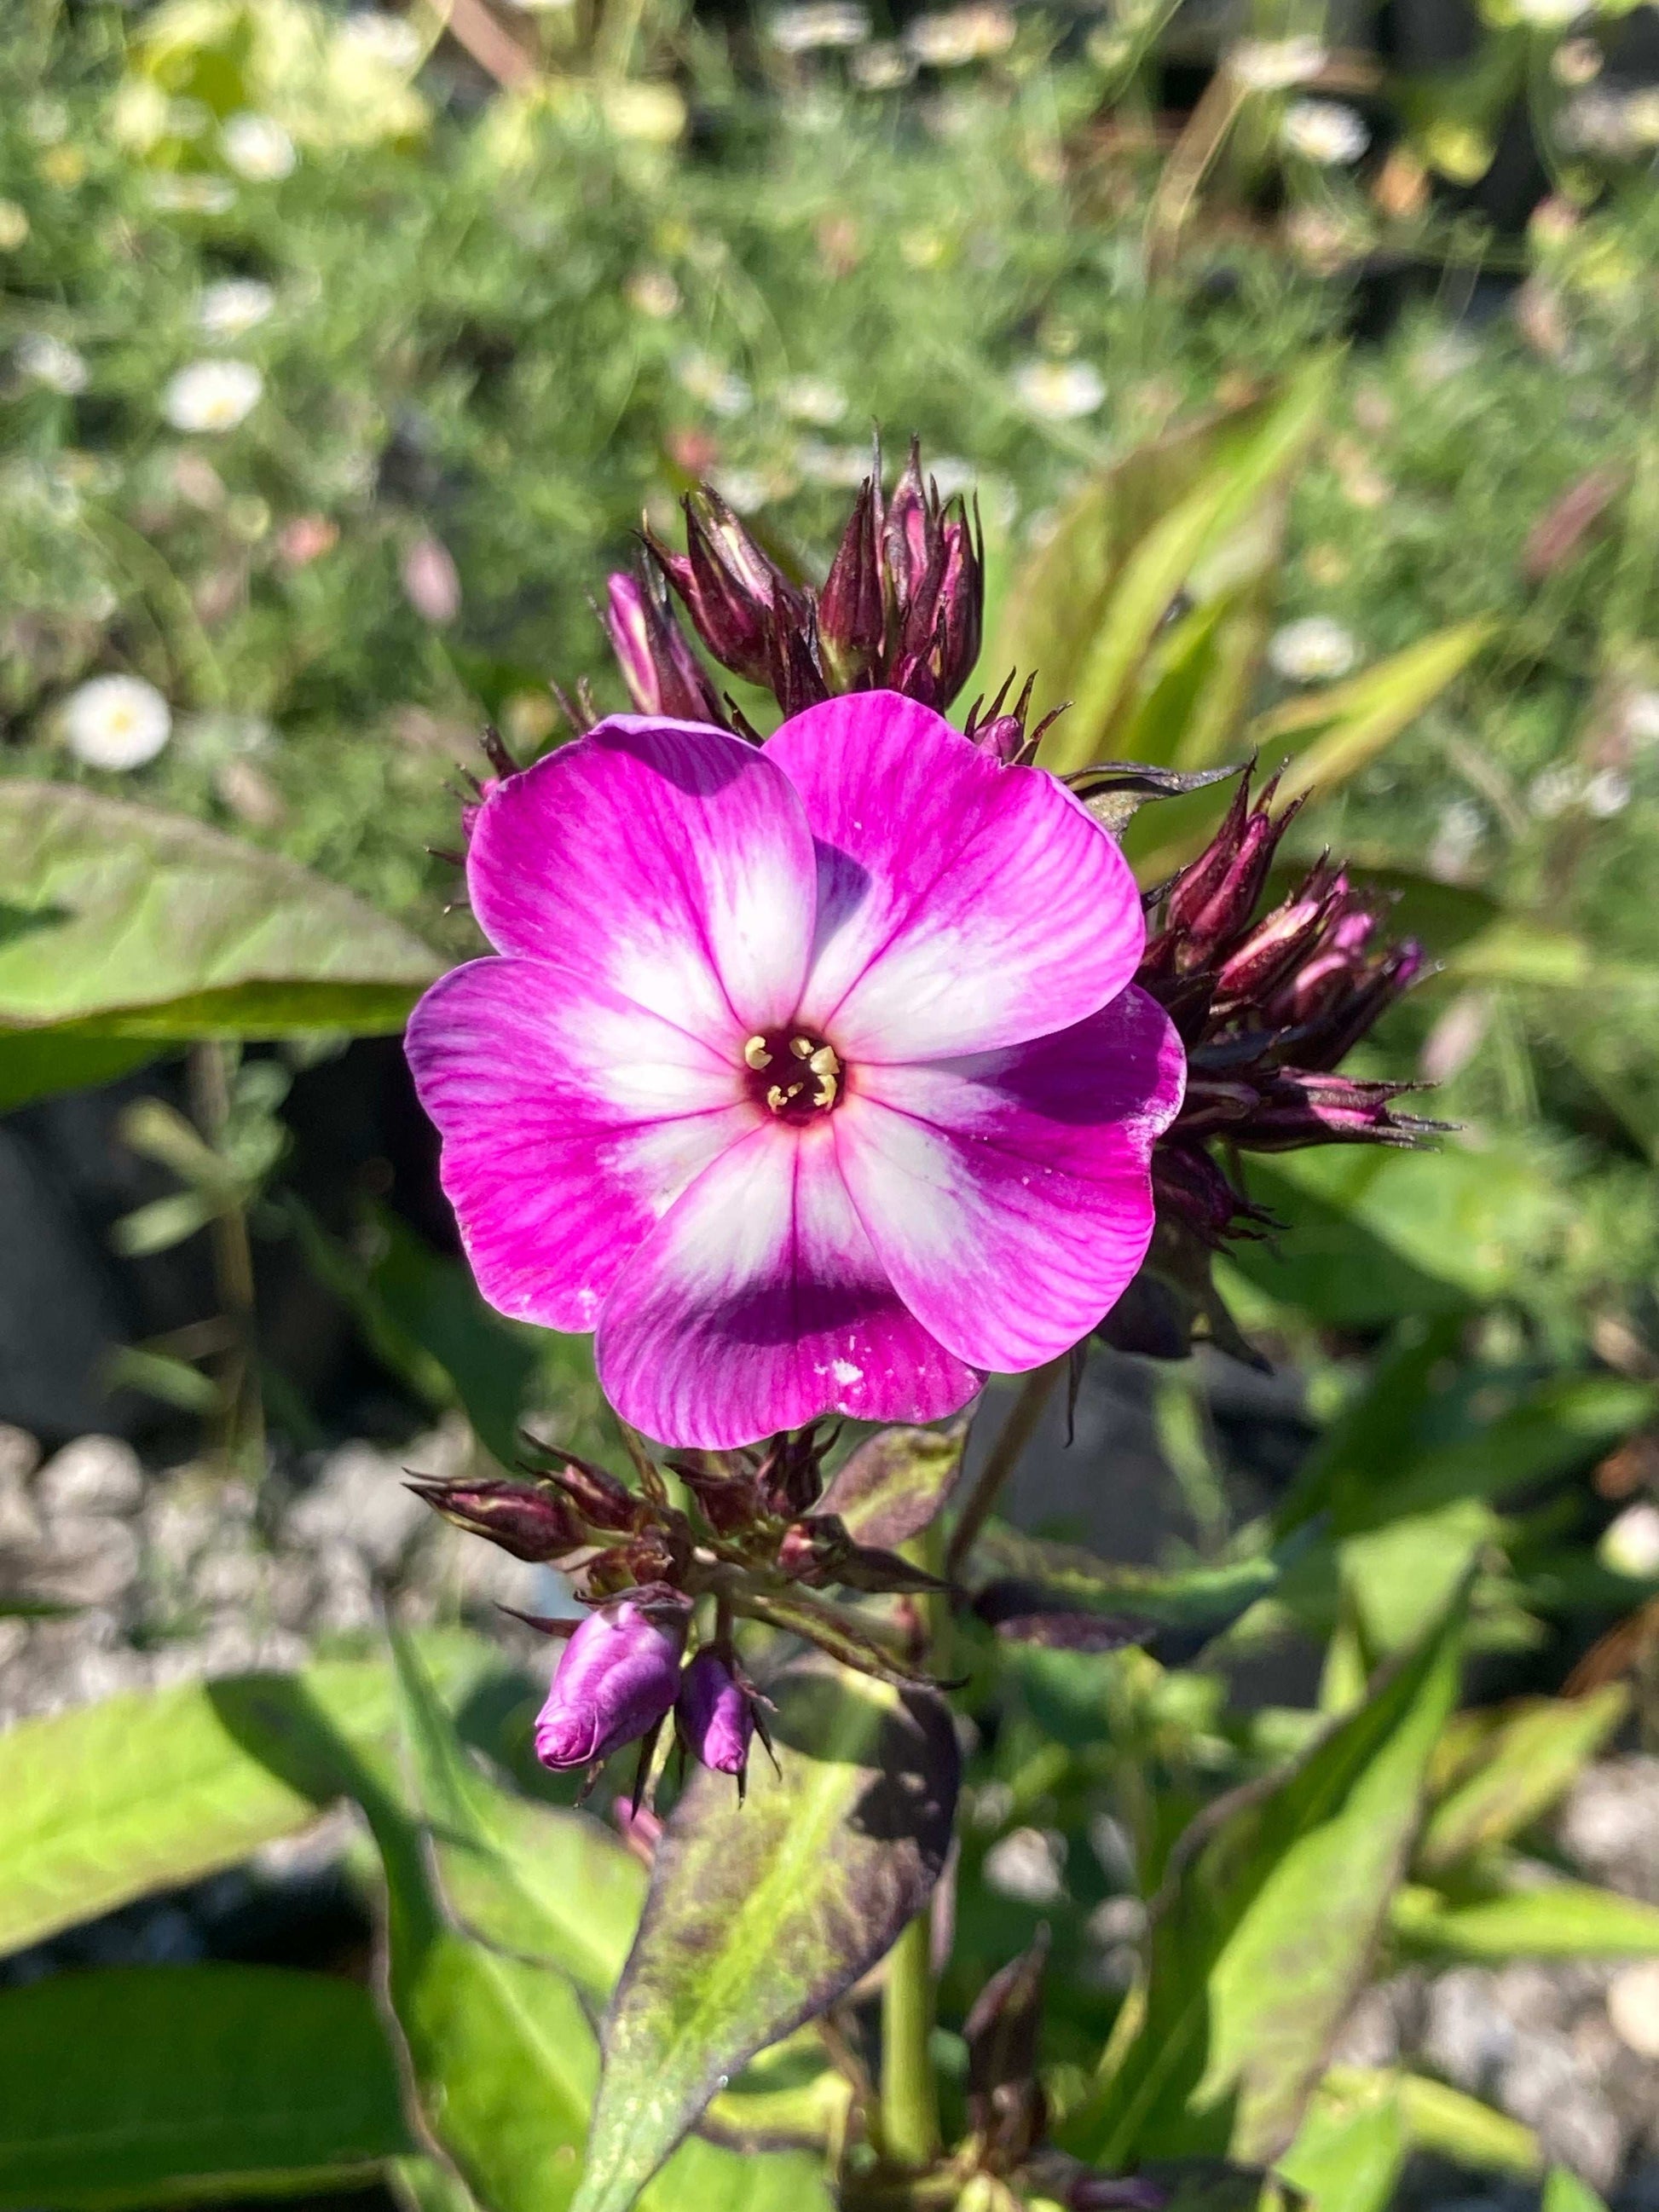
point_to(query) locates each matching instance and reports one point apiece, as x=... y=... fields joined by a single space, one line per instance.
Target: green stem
x=242 y=1434
x=910 y=2093
x=1014 y=1434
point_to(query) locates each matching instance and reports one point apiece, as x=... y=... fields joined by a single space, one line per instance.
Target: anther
x=756 y=1055
x=777 y=1097
x=801 y=1047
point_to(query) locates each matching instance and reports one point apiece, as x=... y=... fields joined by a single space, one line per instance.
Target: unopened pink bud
x=617 y=1678
x=716 y=1716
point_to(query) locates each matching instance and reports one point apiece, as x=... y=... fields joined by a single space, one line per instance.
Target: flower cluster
x=900 y=610
x=756 y=1538
x=1266 y=1005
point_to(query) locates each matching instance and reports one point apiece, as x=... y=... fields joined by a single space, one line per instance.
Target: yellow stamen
x=823 y=1062
x=756 y=1055
x=801 y=1047
x=777 y=1097
x=825 y=1093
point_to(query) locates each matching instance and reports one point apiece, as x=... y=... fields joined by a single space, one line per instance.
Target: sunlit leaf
x=152 y=1788
x=154 y=926
x=760 y=1916
x=1357 y=719
x=1511 y=1767
x=1554 y=1920
x=155 y=2085
x=1266 y=1930
x=891 y=1486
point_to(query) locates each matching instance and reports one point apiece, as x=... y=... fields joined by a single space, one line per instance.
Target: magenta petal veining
x=807 y=1076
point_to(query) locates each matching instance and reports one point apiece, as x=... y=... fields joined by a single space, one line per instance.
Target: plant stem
x=909 y=2095
x=242 y=1434
x=1015 y=1434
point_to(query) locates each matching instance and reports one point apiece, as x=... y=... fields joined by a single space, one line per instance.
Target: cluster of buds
x=902 y=608
x=1267 y=1006
x=753 y=1539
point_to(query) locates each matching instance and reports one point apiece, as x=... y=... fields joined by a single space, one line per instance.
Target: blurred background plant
x=1304 y=358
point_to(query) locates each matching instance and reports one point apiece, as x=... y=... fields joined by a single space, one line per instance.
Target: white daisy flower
x=389 y=39
x=1630 y=1545
x=180 y=195
x=882 y=67
x=212 y=396
x=116 y=722
x=258 y=148
x=1059 y=390
x=227 y=309
x=1607 y=793
x=46 y=359
x=819 y=25
x=959 y=35
x=1275 y=64
x=1315 y=650
x=1325 y=132
x=720 y=389
x=812 y=399
x=654 y=293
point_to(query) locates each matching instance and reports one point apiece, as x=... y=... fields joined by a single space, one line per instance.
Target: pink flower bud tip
x=715 y=1714
x=617 y=1678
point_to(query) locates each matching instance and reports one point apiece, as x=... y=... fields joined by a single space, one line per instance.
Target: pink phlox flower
x=811 y=1077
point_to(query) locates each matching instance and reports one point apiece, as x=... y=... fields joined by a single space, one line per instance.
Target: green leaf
x=1250 y=463
x=1371 y=1235
x=1442 y=2119
x=1183 y=1611
x=154 y=926
x=1565 y=2192
x=889 y=1489
x=1265 y=1932
x=39 y=1063
x=151 y=1788
x=1352 y=2146
x=1201 y=509
x=485 y=1957
x=760 y=1916
x=157 y=2085
x=1556 y=1920
x=1521 y=1760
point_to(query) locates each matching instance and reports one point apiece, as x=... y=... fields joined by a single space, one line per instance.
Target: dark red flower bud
x=602 y=1502
x=905 y=534
x=716 y=1713
x=730 y=1503
x=662 y=673
x=852 y=606
x=1005 y=2103
x=1301 y=1109
x=528 y=1519
x=737 y=598
x=617 y=1678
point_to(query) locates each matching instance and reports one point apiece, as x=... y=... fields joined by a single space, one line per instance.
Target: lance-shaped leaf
x=1515 y=1768
x=1549 y=1920
x=896 y=1483
x=1265 y=1932
x=153 y=2085
x=507 y=1924
x=1037 y=1585
x=1115 y=791
x=131 y=924
x=99 y=1804
x=761 y=1916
